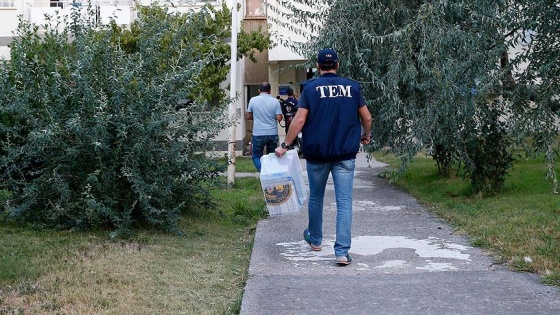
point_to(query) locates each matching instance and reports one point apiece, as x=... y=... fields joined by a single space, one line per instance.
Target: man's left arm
x=279 y=114
x=249 y=113
x=365 y=117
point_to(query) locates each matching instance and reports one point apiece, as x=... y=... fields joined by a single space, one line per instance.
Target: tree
x=90 y=135
x=205 y=36
x=534 y=26
x=430 y=69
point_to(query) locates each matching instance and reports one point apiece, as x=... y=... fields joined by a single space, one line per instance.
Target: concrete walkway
x=406 y=261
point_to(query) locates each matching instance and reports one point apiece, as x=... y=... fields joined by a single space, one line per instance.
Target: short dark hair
x=290 y=92
x=327 y=66
x=264 y=87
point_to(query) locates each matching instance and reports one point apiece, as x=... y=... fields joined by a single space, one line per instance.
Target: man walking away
x=264 y=110
x=334 y=119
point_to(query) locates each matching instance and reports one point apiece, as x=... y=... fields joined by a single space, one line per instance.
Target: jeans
x=258 y=144
x=343 y=178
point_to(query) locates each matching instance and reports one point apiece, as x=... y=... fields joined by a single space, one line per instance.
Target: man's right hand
x=279 y=152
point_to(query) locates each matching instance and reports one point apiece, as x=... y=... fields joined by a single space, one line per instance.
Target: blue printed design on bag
x=277 y=195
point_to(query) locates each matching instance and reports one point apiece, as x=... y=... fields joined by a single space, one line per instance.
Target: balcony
x=67 y=3
x=122 y=11
x=7 y=4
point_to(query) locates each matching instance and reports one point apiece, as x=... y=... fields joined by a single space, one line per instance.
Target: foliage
x=534 y=33
x=205 y=35
x=444 y=159
x=428 y=67
x=90 y=136
x=47 y=272
x=488 y=150
x=535 y=27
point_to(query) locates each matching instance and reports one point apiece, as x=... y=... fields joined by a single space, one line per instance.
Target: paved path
x=406 y=261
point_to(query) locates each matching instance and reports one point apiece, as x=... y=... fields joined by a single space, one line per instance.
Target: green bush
x=90 y=137
x=488 y=157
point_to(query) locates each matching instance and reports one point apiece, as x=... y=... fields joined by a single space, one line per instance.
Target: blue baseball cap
x=327 y=56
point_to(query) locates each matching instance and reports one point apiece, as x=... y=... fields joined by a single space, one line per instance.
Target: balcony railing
x=121 y=11
x=67 y=3
x=7 y=3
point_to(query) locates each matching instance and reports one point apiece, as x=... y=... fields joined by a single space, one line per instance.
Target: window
x=252 y=90
x=57 y=3
x=254 y=8
x=7 y=3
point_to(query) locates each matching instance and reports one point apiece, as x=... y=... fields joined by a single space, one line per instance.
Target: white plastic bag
x=282 y=183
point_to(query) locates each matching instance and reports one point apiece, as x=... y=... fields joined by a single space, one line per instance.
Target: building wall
x=282 y=34
x=8 y=24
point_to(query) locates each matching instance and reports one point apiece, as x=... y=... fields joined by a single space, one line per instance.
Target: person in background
x=264 y=110
x=333 y=112
x=289 y=108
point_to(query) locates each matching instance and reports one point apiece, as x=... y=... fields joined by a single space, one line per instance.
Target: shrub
x=488 y=158
x=444 y=159
x=93 y=138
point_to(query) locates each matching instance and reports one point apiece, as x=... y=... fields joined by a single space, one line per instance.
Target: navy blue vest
x=332 y=130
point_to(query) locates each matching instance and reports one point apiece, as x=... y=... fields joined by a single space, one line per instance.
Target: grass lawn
x=204 y=270
x=521 y=225
x=201 y=272
x=243 y=164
